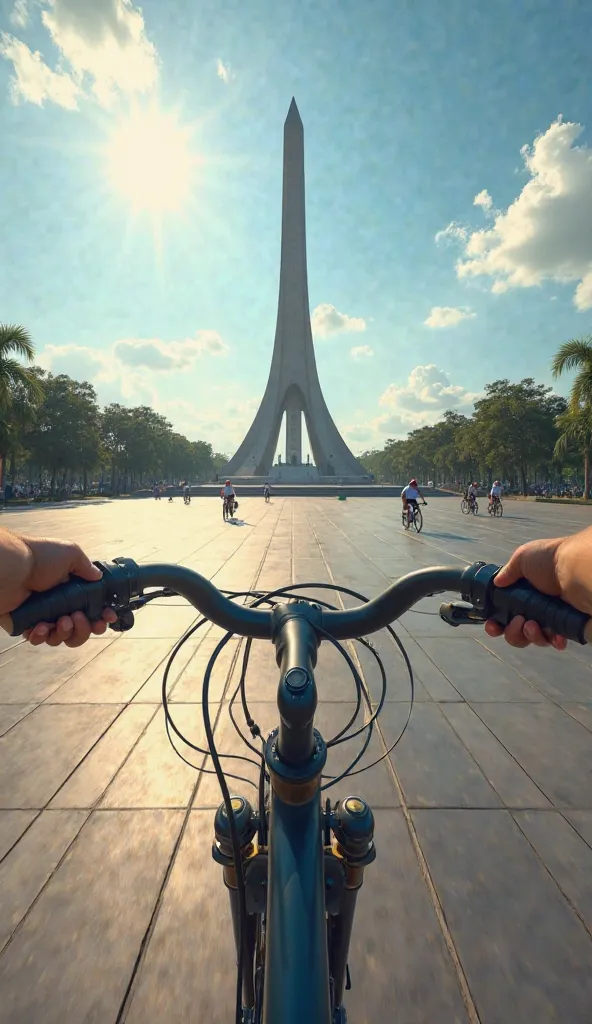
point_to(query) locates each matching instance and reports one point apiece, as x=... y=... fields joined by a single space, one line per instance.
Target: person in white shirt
x=410 y=494
x=471 y=494
x=496 y=491
x=227 y=494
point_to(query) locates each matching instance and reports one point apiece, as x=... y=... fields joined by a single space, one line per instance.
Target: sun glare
x=150 y=161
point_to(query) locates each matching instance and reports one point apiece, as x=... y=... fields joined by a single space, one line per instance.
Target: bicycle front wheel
x=418 y=520
x=498 y=509
x=464 y=507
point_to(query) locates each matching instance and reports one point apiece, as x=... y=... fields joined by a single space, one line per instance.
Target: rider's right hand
x=560 y=567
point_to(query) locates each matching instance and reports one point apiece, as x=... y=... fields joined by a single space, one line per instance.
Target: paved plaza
x=479 y=905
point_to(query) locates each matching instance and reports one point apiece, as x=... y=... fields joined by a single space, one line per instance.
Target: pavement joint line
x=34 y=902
x=463 y=984
x=542 y=864
x=128 y=997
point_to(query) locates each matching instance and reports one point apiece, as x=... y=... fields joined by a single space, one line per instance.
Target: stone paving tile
x=12 y=826
x=30 y=674
x=87 y=784
x=553 y=672
x=188 y=688
x=435 y=768
x=477 y=674
x=10 y=714
x=502 y=771
x=552 y=747
x=72 y=958
x=526 y=955
x=37 y=755
x=115 y=675
x=581 y=712
x=154 y=775
x=582 y=822
x=564 y=854
x=26 y=869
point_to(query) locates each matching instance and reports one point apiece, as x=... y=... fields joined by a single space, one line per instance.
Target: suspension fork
x=246 y=823
x=352 y=823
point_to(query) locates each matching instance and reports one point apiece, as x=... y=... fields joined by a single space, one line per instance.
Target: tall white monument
x=293 y=385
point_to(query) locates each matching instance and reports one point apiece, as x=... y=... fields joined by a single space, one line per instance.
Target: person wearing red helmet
x=228 y=495
x=410 y=494
x=471 y=494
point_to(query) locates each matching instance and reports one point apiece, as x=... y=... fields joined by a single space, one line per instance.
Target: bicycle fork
x=347 y=835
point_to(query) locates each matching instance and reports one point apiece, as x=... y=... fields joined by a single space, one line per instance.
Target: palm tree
x=15 y=345
x=576 y=354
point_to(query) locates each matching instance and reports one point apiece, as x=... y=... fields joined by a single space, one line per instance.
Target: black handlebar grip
x=551 y=613
x=77 y=595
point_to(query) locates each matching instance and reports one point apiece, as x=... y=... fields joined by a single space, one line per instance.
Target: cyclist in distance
x=266 y=491
x=409 y=496
x=496 y=492
x=471 y=494
x=186 y=493
x=561 y=567
x=227 y=494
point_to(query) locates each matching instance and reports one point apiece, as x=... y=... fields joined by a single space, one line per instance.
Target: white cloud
x=447 y=316
x=453 y=233
x=428 y=389
x=224 y=71
x=545 y=234
x=100 y=42
x=421 y=402
x=155 y=354
x=33 y=80
x=19 y=16
x=359 y=352
x=483 y=199
x=326 y=320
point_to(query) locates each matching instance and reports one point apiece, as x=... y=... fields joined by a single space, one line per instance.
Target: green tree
x=18 y=384
x=576 y=354
x=66 y=435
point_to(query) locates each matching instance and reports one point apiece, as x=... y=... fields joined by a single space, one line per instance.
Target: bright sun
x=150 y=161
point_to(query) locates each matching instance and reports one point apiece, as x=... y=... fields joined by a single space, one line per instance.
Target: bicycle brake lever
x=456 y=614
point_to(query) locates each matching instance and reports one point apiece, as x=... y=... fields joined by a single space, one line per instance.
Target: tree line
x=54 y=433
x=521 y=432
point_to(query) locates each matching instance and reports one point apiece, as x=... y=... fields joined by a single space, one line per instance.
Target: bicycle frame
x=308 y=921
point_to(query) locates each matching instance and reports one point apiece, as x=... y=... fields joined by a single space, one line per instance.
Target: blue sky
x=419 y=296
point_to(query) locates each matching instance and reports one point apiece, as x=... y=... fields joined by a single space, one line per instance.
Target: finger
x=493 y=628
x=98 y=627
x=82 y=565
x=514 y=632
x=39 y=634
x=80 y=632
x=62 y=631
x=534 y=634
x=109 y=615
x=511 y=571
x=559 y=642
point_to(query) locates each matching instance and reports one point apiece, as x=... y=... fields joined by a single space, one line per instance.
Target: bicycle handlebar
x=123 y=580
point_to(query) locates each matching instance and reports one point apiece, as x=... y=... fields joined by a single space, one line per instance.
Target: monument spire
x=293 y=385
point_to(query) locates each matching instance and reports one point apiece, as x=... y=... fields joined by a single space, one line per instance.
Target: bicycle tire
x=499 y=509
x=464 y=507
x=405 y=521
x=418 y=520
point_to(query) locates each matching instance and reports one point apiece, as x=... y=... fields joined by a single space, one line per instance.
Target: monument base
x=284 y=472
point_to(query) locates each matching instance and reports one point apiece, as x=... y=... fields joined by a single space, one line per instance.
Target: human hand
x=30 y=564
x=560 y=567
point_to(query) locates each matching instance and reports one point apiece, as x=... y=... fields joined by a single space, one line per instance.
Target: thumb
x=82 y=566
x=511 y=572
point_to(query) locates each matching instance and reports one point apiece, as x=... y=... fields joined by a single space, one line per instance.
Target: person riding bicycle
x=186 y=492
x=266 y=491
x=228 y=495
x=495 y=493
x=409 y=496
x=471 y=493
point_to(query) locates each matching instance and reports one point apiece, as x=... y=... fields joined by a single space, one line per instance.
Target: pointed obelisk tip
x=293 y=114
